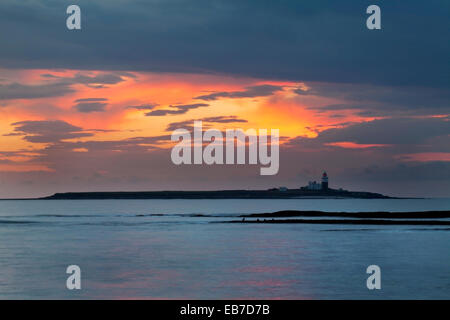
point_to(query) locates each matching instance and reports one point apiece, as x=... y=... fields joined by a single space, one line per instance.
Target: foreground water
x=181 y=249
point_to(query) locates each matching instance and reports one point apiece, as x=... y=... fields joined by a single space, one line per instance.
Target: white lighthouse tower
x=324 y=181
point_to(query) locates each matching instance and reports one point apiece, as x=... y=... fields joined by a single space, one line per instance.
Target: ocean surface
x=184 y=249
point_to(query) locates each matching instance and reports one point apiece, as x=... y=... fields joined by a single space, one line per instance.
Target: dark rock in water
x=352 y=221
x=366 y=218
x=384 y=215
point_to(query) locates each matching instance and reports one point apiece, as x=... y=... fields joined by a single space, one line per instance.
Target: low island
x=275 y=193
x=313 y=190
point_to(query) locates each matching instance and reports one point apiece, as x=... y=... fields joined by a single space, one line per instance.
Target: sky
x=94 y=109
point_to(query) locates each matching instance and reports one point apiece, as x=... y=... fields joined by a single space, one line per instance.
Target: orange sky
x=283 y=110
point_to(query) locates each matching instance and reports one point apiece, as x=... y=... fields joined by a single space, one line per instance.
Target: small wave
x=17 y=222
x=184 y=215
x=202 y=215
x=132 y=224
x=430 y=229
x=332 y=230
x=52 y=216
x=66 y=215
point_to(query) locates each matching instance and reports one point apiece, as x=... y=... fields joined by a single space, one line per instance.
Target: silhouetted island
x=314 y=189
x=276 y=193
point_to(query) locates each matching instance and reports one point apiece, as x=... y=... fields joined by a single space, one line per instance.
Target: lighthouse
x=324 y=181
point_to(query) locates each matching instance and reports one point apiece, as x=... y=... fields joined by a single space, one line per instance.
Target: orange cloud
x=353 y=145
x=425 y=156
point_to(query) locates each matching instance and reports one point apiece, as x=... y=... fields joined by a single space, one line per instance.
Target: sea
x=187 y=249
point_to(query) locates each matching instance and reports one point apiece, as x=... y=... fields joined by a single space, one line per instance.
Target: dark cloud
x=336 y=107
x=176 y=109
x=56 y=132
x=380 y=100
x=414 y=171
x=49 y=75
x=102 y=130
x=87 y=79
x=391 y=131
x=249 y=92
x=188 y=124
x=57 y=86
x=91 y=100
x=223 y=119
x=13 y=153
x=149 y=106
x=324 y=40
x=88 y=107
x=136 y=144
x=13 y=134
x=164 y=112
x=50 y=131
x=103 y=78
x=22 y=91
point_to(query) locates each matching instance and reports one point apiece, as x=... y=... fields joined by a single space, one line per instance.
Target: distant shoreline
x=220 y=194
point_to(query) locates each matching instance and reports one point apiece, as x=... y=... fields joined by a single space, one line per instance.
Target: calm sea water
x=162 y=249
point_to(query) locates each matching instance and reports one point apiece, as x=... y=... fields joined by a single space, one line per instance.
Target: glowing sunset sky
x=115 y=106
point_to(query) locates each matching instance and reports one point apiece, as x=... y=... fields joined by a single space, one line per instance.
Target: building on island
x=314 y=185
x=324 y=181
